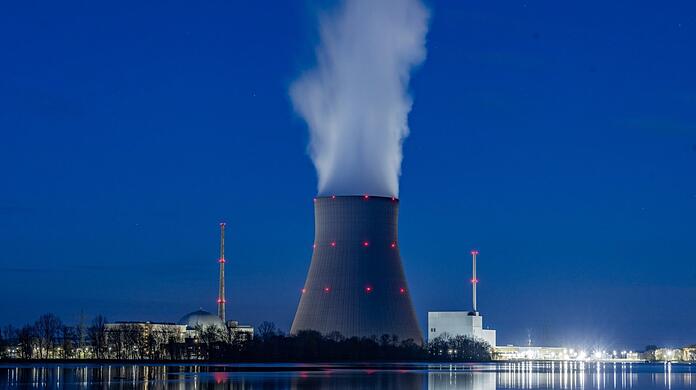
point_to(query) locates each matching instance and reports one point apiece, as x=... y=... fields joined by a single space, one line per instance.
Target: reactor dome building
x=356 y=284
x=201 y=318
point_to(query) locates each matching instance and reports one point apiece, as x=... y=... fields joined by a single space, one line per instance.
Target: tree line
x=49 y=338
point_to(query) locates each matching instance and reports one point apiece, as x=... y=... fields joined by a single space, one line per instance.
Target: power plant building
x=201 y=319
x=165 y=330
x=356 y=284
x=461 y=323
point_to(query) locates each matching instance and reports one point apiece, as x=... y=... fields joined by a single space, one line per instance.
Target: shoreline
x=288 y=365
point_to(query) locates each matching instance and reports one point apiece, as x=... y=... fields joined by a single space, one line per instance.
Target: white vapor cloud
x=355 y=100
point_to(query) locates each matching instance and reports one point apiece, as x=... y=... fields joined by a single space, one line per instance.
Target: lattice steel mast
x=221 y=292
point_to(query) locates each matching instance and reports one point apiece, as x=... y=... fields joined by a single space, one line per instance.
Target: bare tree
x=81 y=335
x=97 y=335
x=174 y=343
x=116 y=342
x=4 y=343
x=26 y=337
x=210 y=336
x=335 y=336
x=137 y=338
x=266 y=330
x=67 y=339
x=47 y=328
x=159 y=340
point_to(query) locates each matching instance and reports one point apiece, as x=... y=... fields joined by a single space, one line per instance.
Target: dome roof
x=201 y=317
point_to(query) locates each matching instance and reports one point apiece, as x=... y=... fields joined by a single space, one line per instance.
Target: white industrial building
x=458 y=323
x=461 y=323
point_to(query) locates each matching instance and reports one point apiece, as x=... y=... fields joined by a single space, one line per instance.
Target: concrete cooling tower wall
x=356 y=284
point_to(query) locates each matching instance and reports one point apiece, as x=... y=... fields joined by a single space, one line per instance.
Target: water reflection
x=518 y=375
x=565 y=376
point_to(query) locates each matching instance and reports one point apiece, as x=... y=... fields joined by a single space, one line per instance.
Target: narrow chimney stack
x=474 y=280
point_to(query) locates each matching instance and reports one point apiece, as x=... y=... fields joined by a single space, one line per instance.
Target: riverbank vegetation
x=49 y=338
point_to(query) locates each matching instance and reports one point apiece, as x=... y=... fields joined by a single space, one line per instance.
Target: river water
x=472 y=376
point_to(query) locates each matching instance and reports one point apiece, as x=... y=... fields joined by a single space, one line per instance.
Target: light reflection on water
x=487 y=376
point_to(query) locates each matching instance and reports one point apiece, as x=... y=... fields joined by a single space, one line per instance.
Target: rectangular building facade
x=458 y=323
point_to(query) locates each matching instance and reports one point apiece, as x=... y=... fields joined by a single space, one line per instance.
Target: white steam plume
x=355 y=101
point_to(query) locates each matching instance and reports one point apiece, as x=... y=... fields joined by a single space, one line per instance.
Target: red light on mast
x=333 y=243
x=393 y=245
x=366 y=243
x=368 y=289
x=402 y=290
x=366 y=197
x=474 y=281
x=327 y=290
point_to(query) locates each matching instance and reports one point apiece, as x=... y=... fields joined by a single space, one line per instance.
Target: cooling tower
x=356 y=284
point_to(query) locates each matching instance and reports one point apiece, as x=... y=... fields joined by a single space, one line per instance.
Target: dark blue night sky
x=559 y=139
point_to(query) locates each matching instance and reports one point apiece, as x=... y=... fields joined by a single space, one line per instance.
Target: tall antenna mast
x=474 y=281
x=221 y=292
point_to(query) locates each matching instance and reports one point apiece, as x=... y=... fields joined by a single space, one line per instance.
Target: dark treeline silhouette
x=50 y=338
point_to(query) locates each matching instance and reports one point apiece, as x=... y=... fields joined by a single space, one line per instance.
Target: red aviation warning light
x=368 y=289
x=365 y=243
x=327 y=290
